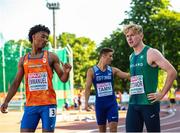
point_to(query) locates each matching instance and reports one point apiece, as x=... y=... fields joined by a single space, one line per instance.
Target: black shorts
x=137 y=115
x=173 y=101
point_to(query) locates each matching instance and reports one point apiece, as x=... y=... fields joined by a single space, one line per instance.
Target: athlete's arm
x=14 y=86
x=120 y=73
x=155 y=58
x=88 y=85
x=63 y=73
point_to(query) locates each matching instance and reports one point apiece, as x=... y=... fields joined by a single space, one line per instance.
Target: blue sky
x=95 y=19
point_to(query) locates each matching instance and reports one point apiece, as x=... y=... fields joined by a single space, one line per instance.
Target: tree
x=84 y=55
x=169 y=37
x=11 y=58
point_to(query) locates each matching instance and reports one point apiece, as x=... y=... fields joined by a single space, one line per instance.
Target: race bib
x=52 y=112
x=104 y=89
x=137 y=86
x=37 y=81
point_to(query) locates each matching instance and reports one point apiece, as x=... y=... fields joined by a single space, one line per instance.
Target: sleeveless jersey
x=38 y=81
x=103 y=84
x=144 y=78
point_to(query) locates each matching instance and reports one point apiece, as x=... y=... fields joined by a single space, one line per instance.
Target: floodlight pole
x=4 y=67
x=2 y=43
x=53 y=6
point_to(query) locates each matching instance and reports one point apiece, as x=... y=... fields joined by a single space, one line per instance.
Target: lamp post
x=2 y=41
x=53 y=6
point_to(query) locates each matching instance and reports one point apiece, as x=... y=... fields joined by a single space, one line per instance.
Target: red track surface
x=170 y=122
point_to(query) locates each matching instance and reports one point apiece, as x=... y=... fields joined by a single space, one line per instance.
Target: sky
x=95 y=19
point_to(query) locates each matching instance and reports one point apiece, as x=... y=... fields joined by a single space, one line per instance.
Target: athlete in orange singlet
x=37 y=66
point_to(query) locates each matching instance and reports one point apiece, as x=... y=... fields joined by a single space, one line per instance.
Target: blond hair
x=134 y=27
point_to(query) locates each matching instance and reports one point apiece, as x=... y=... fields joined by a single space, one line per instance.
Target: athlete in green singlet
x=144 y=100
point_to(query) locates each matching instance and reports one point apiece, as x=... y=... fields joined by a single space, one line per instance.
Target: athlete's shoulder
x=52 y=56
x=114 y=68
x=154 y=56
x=51 y=53
x=23 y=59
x=153 y=52
x=95 y=68
x=90 y=69
x=90 y=72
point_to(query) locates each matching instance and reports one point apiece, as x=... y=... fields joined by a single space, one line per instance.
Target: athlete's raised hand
x=66 y=67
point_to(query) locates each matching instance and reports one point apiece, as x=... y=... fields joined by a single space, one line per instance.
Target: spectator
x=172 y=99
x=75 y=100
x=80 y=99
x=66 y=104
x=119 y=99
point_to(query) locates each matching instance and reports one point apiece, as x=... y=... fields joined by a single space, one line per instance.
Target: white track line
x=168 y=123
x=166 y=117
x=171 y=129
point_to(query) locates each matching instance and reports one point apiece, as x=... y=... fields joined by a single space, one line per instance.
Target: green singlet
x=144 y=78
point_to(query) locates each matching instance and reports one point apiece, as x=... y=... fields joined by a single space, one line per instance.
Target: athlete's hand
x=66 y=67
x=4 y=107
x=155 y=97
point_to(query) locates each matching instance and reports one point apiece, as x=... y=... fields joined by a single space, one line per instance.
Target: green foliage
x=84 y=55
x=11 y=58
x=1 y=70
x=24 y=43
x=141 y=12
x=168 y=27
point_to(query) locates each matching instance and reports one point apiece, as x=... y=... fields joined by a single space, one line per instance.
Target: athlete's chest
x=138 y=62
x=103 y=76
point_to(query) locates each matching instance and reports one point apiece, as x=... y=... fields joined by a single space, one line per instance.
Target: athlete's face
x=133 y=38
x=108 y=57
x=40 y=39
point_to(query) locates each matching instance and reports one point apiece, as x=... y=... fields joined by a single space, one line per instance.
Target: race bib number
x=37 y=81
x=137 y=86
x=52 y=112
x=104 y=89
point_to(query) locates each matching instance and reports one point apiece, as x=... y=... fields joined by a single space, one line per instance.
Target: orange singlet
x=38 y=80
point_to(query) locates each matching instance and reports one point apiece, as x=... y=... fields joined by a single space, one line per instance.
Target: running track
x=170 y=122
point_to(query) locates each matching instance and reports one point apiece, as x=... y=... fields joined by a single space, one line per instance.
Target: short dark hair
x=37 y=28
x=105 y=51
